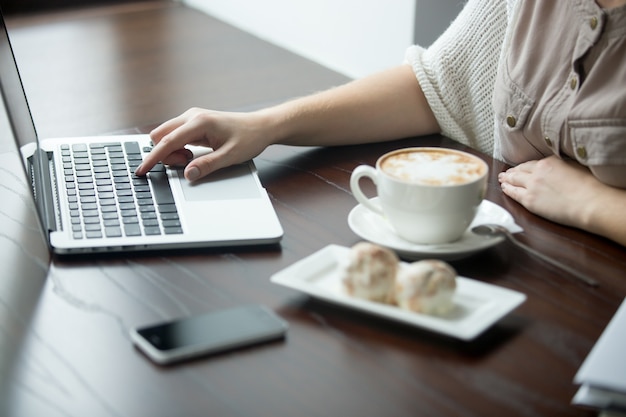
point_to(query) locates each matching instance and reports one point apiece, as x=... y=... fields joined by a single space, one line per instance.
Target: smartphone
x=209 y=333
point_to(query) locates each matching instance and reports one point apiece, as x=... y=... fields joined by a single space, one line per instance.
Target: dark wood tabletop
x=64 y=343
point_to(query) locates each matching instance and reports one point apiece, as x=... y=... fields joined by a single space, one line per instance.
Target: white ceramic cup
x=429 y=195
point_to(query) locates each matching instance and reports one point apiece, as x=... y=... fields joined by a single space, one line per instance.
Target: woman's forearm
x=384 y=106
x=604 y=214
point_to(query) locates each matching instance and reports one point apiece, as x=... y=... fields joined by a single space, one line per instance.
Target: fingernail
x=192 y=173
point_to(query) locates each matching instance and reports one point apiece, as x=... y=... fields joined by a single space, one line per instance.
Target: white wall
x=353 y=37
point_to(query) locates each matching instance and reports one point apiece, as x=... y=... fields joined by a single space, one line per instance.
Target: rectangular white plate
x=477 y=305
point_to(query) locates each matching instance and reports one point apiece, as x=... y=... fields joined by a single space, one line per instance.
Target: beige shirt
x=561 y=88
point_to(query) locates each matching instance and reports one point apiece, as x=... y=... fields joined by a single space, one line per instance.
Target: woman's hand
x=233 y=137
x=567 y=193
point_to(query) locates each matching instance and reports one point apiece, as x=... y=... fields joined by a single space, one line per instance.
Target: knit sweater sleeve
x=457 y=72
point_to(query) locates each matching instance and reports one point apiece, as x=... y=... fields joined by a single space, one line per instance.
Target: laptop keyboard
x=107 y=199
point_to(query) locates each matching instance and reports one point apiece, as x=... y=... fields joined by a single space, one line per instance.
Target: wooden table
x=65 y=349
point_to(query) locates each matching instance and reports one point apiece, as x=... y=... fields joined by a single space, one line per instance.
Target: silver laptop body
x=88 y=199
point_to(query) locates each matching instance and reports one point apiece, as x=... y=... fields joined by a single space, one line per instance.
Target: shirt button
x=548 y=141
x=573 y=83
x=511 y=121
x=581 y=151
x=593 y=23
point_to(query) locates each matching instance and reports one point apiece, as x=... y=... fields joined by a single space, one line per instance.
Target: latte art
x=433 y=167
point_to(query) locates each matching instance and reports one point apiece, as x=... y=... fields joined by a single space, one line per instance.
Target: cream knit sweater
x=458 y=71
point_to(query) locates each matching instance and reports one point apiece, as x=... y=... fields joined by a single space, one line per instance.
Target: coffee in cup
x=429 y=195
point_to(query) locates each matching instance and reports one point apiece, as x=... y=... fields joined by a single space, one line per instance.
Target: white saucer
x=376 y=229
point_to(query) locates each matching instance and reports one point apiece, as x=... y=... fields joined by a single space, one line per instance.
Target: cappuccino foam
x=433 y=167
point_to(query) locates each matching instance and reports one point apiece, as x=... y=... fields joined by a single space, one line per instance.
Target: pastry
x=370 y=272
x=425 y=287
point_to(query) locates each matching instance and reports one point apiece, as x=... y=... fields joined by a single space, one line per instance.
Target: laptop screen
x=21 y=122
x=15 y=101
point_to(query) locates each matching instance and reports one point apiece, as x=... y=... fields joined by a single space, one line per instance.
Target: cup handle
x=358 y=173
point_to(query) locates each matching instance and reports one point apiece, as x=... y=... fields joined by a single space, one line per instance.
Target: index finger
x=169 y=140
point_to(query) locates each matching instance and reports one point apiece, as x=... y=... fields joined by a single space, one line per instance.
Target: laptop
x=89 y=201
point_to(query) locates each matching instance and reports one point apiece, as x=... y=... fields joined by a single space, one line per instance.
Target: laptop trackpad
x=230 y=183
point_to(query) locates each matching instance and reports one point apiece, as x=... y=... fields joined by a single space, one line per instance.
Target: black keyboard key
x=127 y=206
x=108 y=202
x=145 y=202
x=113 y=232
x=149 y=215
x=129 y=213
x=169 y=216
x=142 y=188
x=144 y=195
x=152 y=231
x=171 y=223
x=132 y=148
x=87 y=192
x=151 y=223
x=124 y=193
x=132 y=229
x=140 y=180
x=161 y=188
x=117 y=160
x=93 y=227
x=167 y=208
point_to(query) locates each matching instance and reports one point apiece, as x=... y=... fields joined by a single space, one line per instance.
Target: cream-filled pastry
x=425 y=286
x=370 y=272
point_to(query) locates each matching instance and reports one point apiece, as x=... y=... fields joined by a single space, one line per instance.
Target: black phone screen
x=215 y=329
